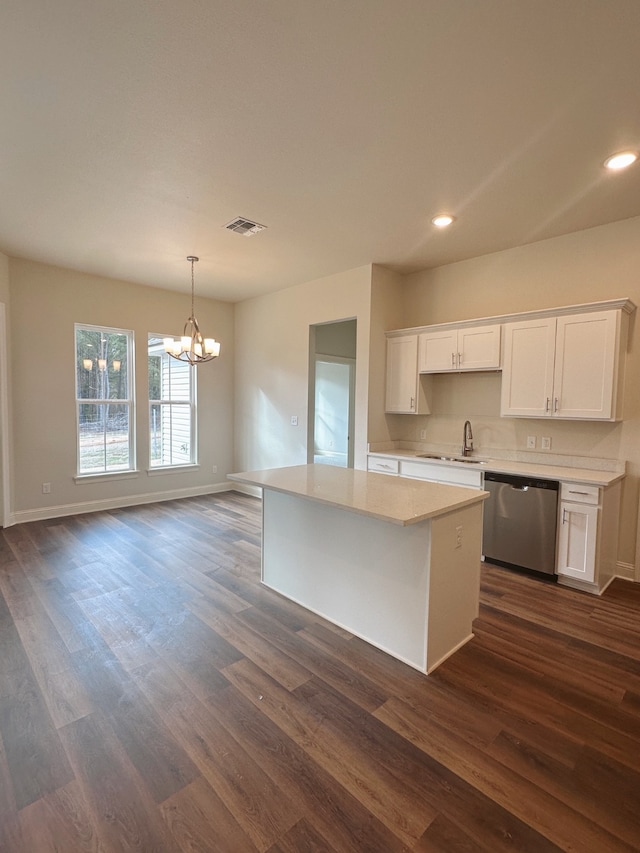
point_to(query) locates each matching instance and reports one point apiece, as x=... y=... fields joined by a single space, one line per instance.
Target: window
x=104 y=396
x=171 y=408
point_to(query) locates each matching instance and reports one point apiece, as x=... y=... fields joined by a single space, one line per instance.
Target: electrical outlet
x=423 y=434
x=546 y=442
x=214 y=469
x=294 y=420
x=458 y=537
x=46 y=488
x=531 y=442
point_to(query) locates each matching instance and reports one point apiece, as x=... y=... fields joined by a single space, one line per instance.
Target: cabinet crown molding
x=624 y=304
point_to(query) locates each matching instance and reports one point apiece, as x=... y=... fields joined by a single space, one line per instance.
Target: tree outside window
x=104 y=399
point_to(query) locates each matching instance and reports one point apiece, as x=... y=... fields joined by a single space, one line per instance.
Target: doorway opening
x=332 y=370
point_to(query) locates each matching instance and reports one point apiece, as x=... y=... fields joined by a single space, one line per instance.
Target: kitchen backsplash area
x=455 y=398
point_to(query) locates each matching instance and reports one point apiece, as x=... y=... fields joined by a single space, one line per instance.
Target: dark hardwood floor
x=154 y=697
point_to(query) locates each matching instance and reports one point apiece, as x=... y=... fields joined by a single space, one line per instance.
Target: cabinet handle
x=459 y=359
x=413 y=405
x=564 y=516
x=453 y=359
x=546 y=408
x=555 y=404
x=572 y=492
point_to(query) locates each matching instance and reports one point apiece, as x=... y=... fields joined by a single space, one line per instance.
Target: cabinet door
x=438 y=351
x=479 y=348
x=527 y=370
x=402 y=374
x=585 y=366
x=577 y=541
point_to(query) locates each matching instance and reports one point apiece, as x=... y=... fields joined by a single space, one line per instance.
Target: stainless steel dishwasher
x=520 y=520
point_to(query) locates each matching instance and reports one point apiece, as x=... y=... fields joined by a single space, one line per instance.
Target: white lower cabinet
x=587 y=541
x=449 y=475
x=433 y=472
x=588 y=535
x=382 y=465
x=577 y=539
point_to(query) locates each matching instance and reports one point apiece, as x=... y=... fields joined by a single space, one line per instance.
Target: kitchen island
x=394 y=561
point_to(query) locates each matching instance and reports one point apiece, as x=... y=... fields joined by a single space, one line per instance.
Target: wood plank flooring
x=154 y=697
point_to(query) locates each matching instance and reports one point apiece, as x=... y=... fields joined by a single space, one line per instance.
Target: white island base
x=408 y=586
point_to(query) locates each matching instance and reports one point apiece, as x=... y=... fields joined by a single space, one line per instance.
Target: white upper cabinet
x=563 y=367
x=465 y=348
x=404 y=393
x=527 y=367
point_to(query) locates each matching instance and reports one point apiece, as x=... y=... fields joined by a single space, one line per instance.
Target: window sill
x=171 y=469
x=107 y=475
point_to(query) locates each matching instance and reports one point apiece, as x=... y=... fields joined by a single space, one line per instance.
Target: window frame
x=128 y=401
x=191 y=403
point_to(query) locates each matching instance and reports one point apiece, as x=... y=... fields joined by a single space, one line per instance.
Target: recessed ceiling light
x=621 y=160
x=443 y=220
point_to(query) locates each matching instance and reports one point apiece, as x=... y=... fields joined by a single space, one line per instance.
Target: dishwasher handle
x=520 y=483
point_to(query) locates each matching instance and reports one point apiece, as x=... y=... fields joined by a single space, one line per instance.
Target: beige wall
x=5 y=433
x=4 y=278
x=387 y=306
x=589 y=266
x=45 y=303
x=337 y=339
x=272 y=366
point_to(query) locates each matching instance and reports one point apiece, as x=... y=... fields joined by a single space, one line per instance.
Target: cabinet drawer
x=579 y=493
x=448 y=474
x=382 y=466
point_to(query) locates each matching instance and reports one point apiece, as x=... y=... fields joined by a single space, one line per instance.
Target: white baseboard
x=245 y=489
x=62 y=510
x=626 y=571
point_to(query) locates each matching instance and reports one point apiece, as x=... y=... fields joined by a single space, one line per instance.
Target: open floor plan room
x=155 y=697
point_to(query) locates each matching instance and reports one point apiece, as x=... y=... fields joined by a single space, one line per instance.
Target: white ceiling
x=132 y=131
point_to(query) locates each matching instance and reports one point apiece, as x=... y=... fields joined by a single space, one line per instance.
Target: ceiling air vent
x=244 y=226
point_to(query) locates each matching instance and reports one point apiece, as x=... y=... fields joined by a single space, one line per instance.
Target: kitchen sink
x=450 y=458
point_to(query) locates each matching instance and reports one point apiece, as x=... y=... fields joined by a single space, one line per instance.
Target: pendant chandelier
x=192 y=347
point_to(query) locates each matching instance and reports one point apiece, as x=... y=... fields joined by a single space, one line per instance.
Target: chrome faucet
x=467 y=439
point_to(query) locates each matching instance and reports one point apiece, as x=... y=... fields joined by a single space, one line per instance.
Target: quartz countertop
x=524 y=469
x=394 y=499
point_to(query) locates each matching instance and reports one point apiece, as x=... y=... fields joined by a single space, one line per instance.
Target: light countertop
x=524 y=469
x=394 y=499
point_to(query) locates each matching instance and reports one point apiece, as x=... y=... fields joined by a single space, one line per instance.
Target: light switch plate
x=546 y=442
x=531 y=442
